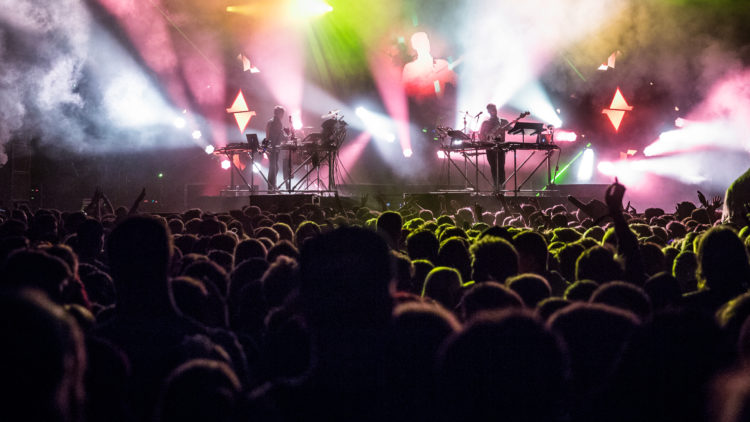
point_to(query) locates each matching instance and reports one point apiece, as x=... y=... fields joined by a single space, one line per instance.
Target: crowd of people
x=578 y=312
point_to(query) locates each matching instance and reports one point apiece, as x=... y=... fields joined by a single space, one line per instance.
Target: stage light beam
x=306 y=9
x=586 y=167
x=297 y=120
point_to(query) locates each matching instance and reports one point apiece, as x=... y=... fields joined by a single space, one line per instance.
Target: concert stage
x=382 y=197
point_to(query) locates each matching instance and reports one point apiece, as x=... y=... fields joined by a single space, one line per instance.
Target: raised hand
x=613 y=196
x=717 y=202
x=702 y=199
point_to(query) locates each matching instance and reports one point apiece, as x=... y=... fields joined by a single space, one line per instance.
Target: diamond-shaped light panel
x=242 y=114
x=617 y=109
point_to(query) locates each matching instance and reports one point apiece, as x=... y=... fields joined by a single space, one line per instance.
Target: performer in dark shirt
x=491 y=129
x=275 y=136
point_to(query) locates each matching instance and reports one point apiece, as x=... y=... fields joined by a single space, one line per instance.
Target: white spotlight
x=586 y=167
x=408 y=152
x=225 y=164
x=197 y=134
x=179 y=123
x=390 y=138
x=209 y=149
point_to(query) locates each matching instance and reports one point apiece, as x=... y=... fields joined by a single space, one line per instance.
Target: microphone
x=478 y=114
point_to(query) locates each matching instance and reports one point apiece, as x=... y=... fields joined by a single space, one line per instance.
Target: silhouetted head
x=278 y=112
x=421 y=267
x=663 y=290
x=488 y=296
x=139 y=251
x=653 y=258
x=306 y=230
x=549 y=306
x=581 y=290
x=443 y=284
x=454 y=252
x=200 y=390
x=39 y=270
x=531 y=287
x=423 y=244
x=626 y=296
x=389 y=225
x=567 y=257
x=282 y=248
x=684 y=269
x=418 y=331
x=280 y=280
x=42 y=361
x=532 y=251
x=595 y=336
x=598 y=264
x=723 y=262
x=209 y=272
x=190 y=297
x=249 y=248
x=89 y=240
x=493 y=258
x=222 y=241
x=504 y=366
x=345 y=278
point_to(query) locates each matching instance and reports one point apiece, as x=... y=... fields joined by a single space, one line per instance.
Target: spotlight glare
x=197 y=134
x=607 y=168
x=378 y=125
x=565 y=136
x=296 y=120
x=305 y=9
x=679 y=122
x=225 y=164
x=209 y=149
x=408 y=153
x=586 y=168
x=179 y=123
x=441 y=154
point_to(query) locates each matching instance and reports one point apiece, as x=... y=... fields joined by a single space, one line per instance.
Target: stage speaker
x=194 y=191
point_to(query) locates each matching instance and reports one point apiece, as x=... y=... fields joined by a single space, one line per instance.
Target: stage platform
x=381 y=197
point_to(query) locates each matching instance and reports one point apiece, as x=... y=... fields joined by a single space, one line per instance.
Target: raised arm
x=137 y=203
x=627 y=242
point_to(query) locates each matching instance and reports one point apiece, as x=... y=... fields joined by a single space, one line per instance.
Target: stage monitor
x=252 y=141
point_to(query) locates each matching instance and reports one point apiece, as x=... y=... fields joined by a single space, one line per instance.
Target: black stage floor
x=380 y=197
